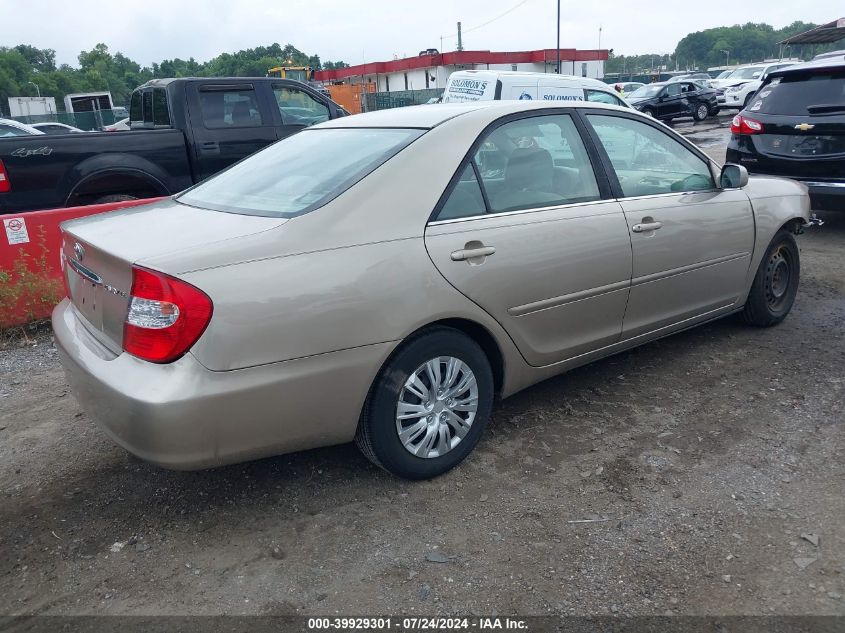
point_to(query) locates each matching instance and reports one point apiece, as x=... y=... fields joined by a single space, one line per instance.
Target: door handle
x=210 y=147
x=473 y=253
x=644 y=227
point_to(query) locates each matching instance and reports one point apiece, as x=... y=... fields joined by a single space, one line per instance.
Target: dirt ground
x=702 y=474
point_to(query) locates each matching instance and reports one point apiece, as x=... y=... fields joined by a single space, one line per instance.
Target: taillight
x=166 y=316
x=744 y=125
x=5 y=183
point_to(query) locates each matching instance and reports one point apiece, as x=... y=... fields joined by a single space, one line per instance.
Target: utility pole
x=727 y=57
x=599 y=36
x=460 y=41
x=557 y=50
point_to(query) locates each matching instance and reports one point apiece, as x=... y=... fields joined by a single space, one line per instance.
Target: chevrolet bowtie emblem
x=804 y=126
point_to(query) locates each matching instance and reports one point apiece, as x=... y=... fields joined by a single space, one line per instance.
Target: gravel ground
x=701 y=474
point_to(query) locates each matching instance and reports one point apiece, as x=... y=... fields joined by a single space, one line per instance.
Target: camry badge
x=804 y=126
x=79 y=250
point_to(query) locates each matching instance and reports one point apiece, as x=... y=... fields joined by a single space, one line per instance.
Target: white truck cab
x=490 y=85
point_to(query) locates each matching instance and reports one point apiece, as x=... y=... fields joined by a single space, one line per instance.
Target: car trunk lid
x=98 y=253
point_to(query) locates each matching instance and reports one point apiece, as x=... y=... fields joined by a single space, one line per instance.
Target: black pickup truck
x=182 y=131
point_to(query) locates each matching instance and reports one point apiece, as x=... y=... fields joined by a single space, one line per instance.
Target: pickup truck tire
x=117 y=197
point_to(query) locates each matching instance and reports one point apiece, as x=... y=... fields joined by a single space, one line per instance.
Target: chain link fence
x=399 y=98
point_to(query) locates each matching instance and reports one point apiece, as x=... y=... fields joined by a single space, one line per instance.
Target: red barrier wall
x=30 y=273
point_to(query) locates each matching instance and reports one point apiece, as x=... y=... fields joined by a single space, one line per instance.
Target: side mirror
x=733 y=176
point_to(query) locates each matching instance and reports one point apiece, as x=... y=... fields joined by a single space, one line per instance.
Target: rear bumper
x=825 y=195
x=184 y=416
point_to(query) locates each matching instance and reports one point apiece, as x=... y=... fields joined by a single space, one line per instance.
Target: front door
x=234 y=123
x=671 y=102
x=525 y=233
x=692 y=241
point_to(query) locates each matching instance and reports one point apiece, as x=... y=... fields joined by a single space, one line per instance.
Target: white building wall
x=394 y=82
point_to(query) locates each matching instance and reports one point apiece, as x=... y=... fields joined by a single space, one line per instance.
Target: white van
x=489 y=85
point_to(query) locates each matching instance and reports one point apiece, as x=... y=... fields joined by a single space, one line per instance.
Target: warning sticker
x=16 y=231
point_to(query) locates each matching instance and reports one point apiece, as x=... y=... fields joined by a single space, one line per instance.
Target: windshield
x=803 y=94
x=724 y=73
x=752 y=72
x=646 y=91
x=299 y=173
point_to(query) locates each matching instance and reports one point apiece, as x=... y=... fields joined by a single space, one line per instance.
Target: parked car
x=183 y=130
x=383 y=277
x=741 y=85
x=699 y=78
x=829 y=54
x=10 y=127
x=675 y=99
x=493 y=85
x=54 y=127
x=118 y=126
x=795 y=127
x=627 y=87
x=722 y=75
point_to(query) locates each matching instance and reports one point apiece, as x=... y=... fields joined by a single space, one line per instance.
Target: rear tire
x=412 y=456
x=701 y=112
x=775 y=284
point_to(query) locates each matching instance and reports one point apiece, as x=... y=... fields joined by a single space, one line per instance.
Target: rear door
x=230 y=121
x=691 y=241
x=803 y=117
x=526 y=232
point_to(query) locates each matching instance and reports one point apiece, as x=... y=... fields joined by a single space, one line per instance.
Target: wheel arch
x=119 y=181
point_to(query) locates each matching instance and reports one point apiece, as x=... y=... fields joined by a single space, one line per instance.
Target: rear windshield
x=752 y=72
x=803 y=94
x=300 y=173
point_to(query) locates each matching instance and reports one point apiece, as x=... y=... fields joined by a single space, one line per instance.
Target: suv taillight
x=5 y=183
x=166 y=316
x=744 y=125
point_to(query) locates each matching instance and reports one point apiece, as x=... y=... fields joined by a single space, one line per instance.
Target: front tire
x=428 y=406
x=649 y=112
x=775 y=284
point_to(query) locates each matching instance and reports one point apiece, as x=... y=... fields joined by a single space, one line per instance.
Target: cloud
x=371 y=31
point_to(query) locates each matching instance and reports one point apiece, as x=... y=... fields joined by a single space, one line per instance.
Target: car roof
x=534 y=75
x=430 y=116
x=832 y=63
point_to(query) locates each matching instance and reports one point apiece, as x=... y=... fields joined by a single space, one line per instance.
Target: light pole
x=37 y=89
x=727 y=57
x=557 y=50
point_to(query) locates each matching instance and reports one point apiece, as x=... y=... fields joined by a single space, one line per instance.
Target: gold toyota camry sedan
x=384 y=277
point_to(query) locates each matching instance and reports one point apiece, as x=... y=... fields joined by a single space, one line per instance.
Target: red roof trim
x=461 y=57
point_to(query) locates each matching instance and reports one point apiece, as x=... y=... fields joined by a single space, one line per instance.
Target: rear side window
x=529 y=163
x=8 y=130
x=135 y=111
x=301 y=172
x=160 y=114
x=803 y=94
x=230 y=108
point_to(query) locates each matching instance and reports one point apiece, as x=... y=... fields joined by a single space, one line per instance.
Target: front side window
x=600 y=96
x=673 y=90
x=297 y=107
x=525 y=164
x=230 y=108
x=648 y=161
x=301 y=172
